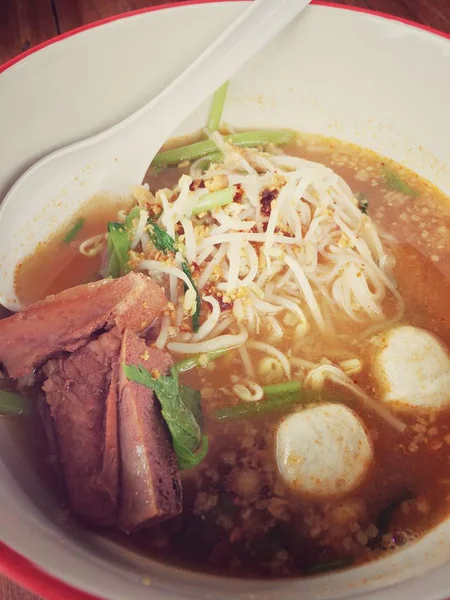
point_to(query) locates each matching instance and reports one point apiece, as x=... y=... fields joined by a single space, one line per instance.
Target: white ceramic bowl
x=354 y=75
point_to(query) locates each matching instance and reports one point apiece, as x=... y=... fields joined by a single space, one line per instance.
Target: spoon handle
x=257 y=24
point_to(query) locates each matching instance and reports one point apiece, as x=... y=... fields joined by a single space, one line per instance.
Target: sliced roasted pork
x=81 y=390
x=150 y=482
x=66 y=321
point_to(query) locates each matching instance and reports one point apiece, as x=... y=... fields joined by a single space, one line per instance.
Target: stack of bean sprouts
x=277 y=248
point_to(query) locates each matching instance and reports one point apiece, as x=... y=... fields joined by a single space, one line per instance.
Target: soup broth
x=241 y=516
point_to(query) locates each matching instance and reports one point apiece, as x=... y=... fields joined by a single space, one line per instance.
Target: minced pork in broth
x=240 y=517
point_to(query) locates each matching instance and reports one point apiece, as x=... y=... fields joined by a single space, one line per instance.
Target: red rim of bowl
x=12 y=564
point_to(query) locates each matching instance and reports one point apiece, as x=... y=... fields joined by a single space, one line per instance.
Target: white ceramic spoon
x=53 y=189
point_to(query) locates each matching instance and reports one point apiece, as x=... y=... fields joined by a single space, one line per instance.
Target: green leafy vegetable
x=197 y=360
x=208 y=159
x=181 y=421
x=198 y=302
x=74 y=231
x=160 y=238
x=218 y=102
x=192 y=400
x=119 y=242
x=332 y=565
x=394 y=182
x=132 y=215
x=274 y=401
x=278 y=397
x=247 y=139
x=12 y=404
x=214 y=200
x=118 y=248
x=186 y=458
x=363 y=202
x=287 y=387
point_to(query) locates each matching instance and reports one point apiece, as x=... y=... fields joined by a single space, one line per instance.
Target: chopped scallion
x=394 y=182
x=287 y=387
x=118 y=248
x=218 y=102
x=274 y=401
x=207 y=147
x=74 y=231
x=214 y=200
x=132 y=215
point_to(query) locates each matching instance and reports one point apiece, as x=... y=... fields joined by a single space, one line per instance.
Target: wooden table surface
x=25 y=23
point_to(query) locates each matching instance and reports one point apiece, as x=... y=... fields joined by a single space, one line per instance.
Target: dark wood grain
x=11 y=591
x=25 y=23
x=73 y=13
x=435 y=13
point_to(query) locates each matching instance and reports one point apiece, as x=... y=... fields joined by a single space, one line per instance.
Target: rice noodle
x=140 y=228
x=250 y=391
x=246 y=361
x=93 y=245
x=222 y=342
x=317 y=376
x=163 y=333
x=272 y=351
x=307 y=291
x=208 y=325
x=308 y=255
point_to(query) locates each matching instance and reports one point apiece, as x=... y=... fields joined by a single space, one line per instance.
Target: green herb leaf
x=181 y=421
x=363 y=202
x=160 y=238
x=73 y=231
x=198 y=301
x=394 y=182
x=12 y=404
x=191 y=398
x=118 y=248
x=186 y=458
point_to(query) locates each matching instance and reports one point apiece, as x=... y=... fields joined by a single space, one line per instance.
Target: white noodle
x=221 y=342
x=316 y=377
x=164 y=333
x=140 y=228
x=272 y=351
x=246 y=361
x=208 y=325
x=93 y=245
x=307 y=291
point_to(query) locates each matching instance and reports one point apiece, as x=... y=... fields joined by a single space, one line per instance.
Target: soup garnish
x=255 y=388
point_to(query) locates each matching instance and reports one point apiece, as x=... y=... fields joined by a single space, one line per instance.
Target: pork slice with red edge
x=81 y=390
x=150 y=481
x=68 y=320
